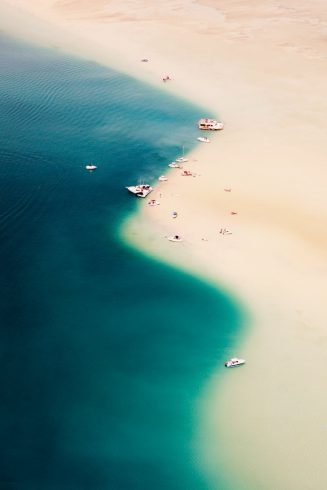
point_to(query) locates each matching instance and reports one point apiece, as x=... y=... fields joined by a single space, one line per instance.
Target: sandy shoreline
x=262 y=70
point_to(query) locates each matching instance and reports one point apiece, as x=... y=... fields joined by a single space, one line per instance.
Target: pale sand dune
x=261 y=66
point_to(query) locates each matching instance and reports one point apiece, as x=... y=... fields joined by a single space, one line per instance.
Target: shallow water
x=104 y=354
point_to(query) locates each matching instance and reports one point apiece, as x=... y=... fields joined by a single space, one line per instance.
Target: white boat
x=175 y=238
x=153 y=202
x=174 y=165
x=91 y=167
x=203 y=139
x=210 y=124
x=141 y=190
x=174 y=214
x=182 y=159
x=163 y=178
x=234 y=362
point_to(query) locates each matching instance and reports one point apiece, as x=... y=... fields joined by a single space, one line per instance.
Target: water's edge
x=105 y=352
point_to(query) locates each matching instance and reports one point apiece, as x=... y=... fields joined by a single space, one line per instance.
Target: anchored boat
x=210 y=124
x=234 y=362
x=182 y=159
x=141 y=190
x=91 y=167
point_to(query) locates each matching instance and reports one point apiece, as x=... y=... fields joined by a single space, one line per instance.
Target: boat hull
x=140 y=190
x=232 y=363
x=206 y=124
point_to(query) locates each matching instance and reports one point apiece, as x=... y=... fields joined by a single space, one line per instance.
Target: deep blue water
x=103 y=353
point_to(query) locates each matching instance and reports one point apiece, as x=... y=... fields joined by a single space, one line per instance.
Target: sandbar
x=260 y=67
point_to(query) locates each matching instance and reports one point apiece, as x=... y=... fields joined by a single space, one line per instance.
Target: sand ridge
x=261 y=67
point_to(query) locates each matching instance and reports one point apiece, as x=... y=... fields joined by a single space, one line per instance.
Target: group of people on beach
x=225 y=231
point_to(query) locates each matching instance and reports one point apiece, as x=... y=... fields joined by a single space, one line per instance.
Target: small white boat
x=203 y=139
x=234 y=362
x=210 y=124
x=174 y=215
x=153 y=202
x=163 y=178
x=174 y=165
x=141 y=190
x=175 y=238
x=182 y=159
x=91 y=167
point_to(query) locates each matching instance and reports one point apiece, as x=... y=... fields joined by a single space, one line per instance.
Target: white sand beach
x=261 y=67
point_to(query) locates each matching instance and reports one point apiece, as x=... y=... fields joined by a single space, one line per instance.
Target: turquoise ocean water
x=104 y=353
